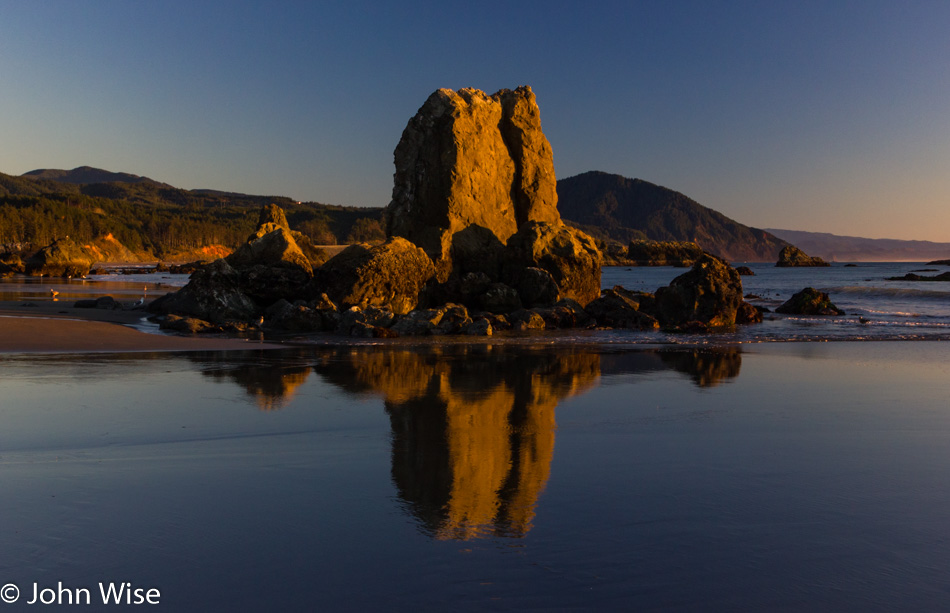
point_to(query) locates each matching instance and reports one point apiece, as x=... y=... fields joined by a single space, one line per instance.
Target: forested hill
x=87 y=174
x=612 y=206
x=153 y=219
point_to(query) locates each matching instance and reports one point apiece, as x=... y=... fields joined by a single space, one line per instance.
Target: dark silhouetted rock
x=392 y=274
x=809 y=301
x=915 y=277
x=468 y=159
x=556 y=317
x=500 y=298
x=479 y=327
x=537 y=288
x=282 y=315
x=663 y=253
x=10 y=264
x=793 y=256
x=618 y=308
x=498 y=321
x=365 y=322
x=748 y=314
x=187 y=268
x=63 y=258
x=522 y=320
x=103 y=302
x=569 y=255
x=422 y=322
x=188 y=325
x=745 y=271
x=581 y=317
x=710 y=293
x=213 y=294
x=455 y=319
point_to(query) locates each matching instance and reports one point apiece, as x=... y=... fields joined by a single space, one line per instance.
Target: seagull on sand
x=53 y=293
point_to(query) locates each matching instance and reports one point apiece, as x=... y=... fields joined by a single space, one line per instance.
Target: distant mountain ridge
x=856 y=249
x=85 y=175
x=615 y=207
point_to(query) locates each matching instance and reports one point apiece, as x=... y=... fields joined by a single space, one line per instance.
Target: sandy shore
x=52 y=327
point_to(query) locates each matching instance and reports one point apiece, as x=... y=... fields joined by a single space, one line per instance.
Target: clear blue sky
x=823 y=116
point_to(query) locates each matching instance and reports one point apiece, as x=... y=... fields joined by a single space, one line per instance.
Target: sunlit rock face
x=467 y=159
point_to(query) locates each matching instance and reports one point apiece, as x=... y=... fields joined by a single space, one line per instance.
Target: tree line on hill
x=155 y=220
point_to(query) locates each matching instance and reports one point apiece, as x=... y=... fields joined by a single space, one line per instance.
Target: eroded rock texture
x=470 y=162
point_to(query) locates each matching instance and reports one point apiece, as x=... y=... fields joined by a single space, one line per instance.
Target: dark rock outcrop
x=793 y=256
x=710 y=294
x=745 y=271
x=663 y=253
x=392 y=274
x=915 y=277
x=187 y=325
x=102 y=302
x=537 y=288
x=214 y=294
x=500 y=298
x=748 y=314
x=10 y=264
x=569 y=255
x=63 y=258
x=621 y=308
x=299 y=317
x=268 y=268
x=809 y=301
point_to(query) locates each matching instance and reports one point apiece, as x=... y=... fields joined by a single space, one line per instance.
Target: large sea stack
x=469 y=160
x=471 y=171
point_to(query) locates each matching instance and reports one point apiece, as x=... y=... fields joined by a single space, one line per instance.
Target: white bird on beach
x=260 y=321
x=141 y=300
x=53 y=293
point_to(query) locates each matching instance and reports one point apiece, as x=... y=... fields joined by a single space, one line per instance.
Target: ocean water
x=499 y=476
x=891 y=310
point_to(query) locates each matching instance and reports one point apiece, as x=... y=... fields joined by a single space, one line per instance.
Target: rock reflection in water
x=270 y=382
x=473 y=426
x=706 y=367
x=473 y=430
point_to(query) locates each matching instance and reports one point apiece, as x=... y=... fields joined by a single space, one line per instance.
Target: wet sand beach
x=51 y=327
